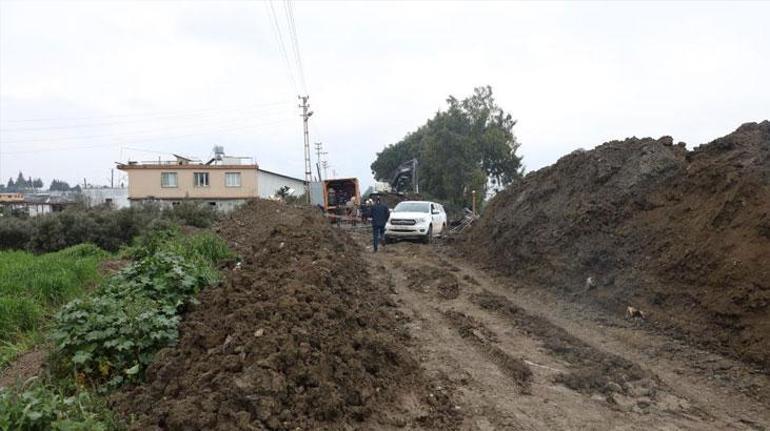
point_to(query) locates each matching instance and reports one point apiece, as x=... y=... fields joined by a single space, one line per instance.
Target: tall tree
x=57 y=185
x=469 y=146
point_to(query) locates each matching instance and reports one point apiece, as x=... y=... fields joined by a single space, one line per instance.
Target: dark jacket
x=380 y=214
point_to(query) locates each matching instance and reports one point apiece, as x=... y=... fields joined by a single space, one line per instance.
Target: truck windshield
x=412 y=207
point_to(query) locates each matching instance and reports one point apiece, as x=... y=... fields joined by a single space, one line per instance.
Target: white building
x=269 y=183
x=114 y=197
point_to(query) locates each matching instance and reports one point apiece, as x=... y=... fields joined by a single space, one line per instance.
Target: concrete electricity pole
x=319 y=153
x=306 y=113
x=325 y=165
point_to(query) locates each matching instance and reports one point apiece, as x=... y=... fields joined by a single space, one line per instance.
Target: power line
x=281 y=45
x=289 y=10
x=185 y=117
x=144 y=114
x=132 y=132
x=120 y=140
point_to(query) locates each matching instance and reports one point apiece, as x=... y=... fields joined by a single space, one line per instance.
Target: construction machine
x=339 y=198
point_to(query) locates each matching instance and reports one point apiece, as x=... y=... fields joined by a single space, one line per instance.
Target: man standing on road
x=380 y=214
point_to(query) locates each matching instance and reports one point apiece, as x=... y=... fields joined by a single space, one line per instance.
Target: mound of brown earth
x=682 y=235
x=296 y=337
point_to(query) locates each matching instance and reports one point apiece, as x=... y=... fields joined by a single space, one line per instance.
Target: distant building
x=113 y=197
x=223 y=182
x=269 y=183
x=38 y=203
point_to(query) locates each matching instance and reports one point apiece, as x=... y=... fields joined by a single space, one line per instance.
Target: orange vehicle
x=339 y=198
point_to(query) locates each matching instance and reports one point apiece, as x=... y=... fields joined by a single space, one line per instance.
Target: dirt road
x=510 y=356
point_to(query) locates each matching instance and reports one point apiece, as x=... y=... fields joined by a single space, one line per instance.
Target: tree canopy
x=469 y=146
x=59 y=185
x=21 y=184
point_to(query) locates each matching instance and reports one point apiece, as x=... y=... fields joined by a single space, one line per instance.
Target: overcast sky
x=84 y=85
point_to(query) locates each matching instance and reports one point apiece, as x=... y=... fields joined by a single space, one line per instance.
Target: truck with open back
x=339 y=198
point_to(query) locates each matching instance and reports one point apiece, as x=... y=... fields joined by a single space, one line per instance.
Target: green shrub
x=192 y=213
x=108 y=229
x=14 y=233
x=111 y=336
x=108 y=339
x=39 y=407
x=161 y=276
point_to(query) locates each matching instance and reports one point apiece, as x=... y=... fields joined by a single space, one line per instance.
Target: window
x=201 y=179
x=168 y=179
x=412 y=207
x=232 y=179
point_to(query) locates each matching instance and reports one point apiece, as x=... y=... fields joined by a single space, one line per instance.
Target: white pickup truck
x=416 y=220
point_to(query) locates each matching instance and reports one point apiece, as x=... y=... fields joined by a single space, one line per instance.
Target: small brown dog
x=632 y=313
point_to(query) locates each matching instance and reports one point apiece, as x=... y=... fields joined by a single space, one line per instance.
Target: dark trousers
x=378 y=233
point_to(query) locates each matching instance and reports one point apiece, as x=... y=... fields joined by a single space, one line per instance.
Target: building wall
x=223 y=205
x=118 y=197
x=270 y=183
x=144 y=182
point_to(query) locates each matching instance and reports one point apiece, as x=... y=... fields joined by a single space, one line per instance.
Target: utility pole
x=306 y=113
x=325 y=165
x=318 y=147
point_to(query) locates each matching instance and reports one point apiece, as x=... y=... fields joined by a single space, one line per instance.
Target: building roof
x=49 y=198
x=174 y=166
x=282 y=175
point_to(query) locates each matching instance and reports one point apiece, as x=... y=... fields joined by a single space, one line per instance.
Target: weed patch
x=32 y=286
x=38 y=406
x=110 y=337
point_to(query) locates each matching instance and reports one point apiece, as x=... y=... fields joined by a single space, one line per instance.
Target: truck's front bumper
x=399 y=231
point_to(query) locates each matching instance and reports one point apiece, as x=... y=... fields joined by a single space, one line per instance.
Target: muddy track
x=513 y=357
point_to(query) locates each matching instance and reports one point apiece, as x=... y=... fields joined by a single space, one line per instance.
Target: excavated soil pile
x=682 y=235
x=296 y=337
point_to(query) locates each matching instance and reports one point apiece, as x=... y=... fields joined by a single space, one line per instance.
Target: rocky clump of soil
x=296 y=337
x=682 y=235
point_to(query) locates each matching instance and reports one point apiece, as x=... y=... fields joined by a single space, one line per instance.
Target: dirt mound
x=683 y=235
x=296 y=337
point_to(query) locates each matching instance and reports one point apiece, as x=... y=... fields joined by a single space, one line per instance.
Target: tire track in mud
x=623 y=384
x=596 y=370
x=483 y=339
x=612 y=388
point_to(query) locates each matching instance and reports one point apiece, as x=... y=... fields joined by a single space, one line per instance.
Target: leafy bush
x=192 y=214
x=14 y=233
x=161 y=276
x=111 y=336
x=40 y=407
x=109 y=229
x=111 y=339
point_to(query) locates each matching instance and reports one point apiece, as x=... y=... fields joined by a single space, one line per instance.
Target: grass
x=101 y=338
x=33 y=287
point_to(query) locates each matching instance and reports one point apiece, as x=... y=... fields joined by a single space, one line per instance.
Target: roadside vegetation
x=32 y=287
x=469 y=146
x=106 y=338
x=106 y=228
